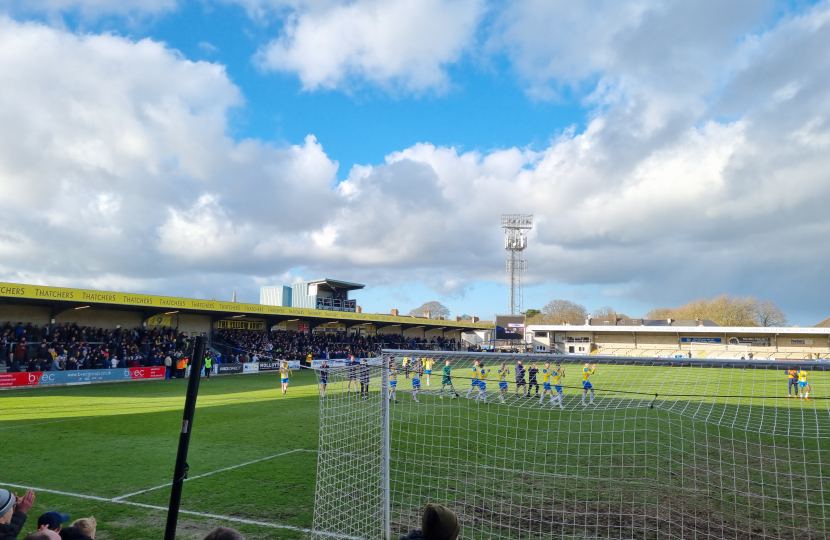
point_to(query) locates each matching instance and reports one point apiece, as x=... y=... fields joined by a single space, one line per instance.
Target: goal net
x=719 y=350
x=671 y=448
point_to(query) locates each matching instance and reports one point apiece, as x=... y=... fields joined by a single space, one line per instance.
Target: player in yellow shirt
x=792 y=382
x=393 y=381
x=428 y=363
x=285 y=372
x=803 y=385
x=473 y=378
x=482 y=382
x=502 y=373
x=549 y=376
x=554 y=376
x=587 y=371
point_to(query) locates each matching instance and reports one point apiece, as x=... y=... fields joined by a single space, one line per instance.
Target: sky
x=668 y=150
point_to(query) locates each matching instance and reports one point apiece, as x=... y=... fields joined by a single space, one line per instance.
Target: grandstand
x=672 y=338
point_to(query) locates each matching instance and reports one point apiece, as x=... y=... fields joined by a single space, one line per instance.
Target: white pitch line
x=128 y=495
x=188 y=512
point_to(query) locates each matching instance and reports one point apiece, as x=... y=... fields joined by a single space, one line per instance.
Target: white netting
x=670 y=449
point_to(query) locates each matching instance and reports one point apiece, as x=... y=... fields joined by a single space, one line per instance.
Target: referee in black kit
x=364 y=379
x=520 y=377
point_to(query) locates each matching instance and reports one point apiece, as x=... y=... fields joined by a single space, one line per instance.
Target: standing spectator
x=20 y=353
x=13 y=512
x=168 y=365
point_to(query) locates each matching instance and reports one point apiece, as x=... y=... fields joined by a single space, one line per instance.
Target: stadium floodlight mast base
x=671 y=448
x=515 y=241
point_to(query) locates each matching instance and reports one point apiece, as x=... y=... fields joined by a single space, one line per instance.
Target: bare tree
x=770 y=315
x=726 y=310
x=561 y=311
x=436 y=309
x=607 y=312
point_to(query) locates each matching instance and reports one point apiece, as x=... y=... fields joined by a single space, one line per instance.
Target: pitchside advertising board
x=86 y=376
x=509 y=327
x=255 y=367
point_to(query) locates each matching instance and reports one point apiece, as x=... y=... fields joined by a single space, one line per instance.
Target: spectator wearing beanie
x=437 y=523
x=224 y=533
x=13 y=512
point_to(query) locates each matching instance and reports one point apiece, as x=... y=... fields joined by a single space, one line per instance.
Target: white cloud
x=712 y=180
x=118 y=164
x=393 y=43
x=91 y=8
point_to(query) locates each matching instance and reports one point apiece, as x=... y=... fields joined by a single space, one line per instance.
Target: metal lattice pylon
x=515 y=241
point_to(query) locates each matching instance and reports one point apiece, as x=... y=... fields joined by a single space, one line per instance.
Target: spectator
x=43 y=535
x=73 y=533
x=52 y=520
x=87 y=526
x=437 y=523
x=224 y=533
x=13 y=512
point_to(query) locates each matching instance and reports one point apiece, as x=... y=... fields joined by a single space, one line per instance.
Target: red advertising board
x=155 y=372
x=19 y=379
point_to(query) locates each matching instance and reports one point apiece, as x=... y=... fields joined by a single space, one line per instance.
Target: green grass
x=108 y=440
x=719 y=465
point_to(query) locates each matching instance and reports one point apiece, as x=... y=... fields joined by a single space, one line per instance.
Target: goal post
x=671 y=448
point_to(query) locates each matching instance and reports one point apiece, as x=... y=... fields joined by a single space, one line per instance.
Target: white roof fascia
x=682 y=329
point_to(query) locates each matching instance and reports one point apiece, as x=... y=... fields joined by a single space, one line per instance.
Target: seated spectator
x=87 y=526
x=13 y=512
x=437 y=523
x=224 y=533
x=52 y=520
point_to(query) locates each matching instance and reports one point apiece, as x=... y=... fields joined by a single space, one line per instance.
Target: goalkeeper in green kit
x=446 y=380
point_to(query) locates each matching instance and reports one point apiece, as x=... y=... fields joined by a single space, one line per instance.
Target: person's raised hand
x=25 y=503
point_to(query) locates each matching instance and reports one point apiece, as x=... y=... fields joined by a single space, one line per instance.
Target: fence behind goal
x=671 y=448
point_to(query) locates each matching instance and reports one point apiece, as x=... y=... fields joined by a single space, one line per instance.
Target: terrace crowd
x=71 y=347
x=249 y=345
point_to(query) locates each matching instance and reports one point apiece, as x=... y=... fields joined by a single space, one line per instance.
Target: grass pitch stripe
x=128 y=495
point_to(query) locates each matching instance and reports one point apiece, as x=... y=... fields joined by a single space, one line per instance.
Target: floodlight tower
x=515 y=241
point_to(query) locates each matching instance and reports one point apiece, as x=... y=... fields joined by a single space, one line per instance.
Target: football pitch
x=108 y=450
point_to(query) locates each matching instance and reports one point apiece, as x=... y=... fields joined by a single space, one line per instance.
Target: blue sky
x=668 y=150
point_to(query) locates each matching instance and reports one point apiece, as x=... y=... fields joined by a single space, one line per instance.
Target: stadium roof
x=61 y=299
x=823 y=324
x=337 y=284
